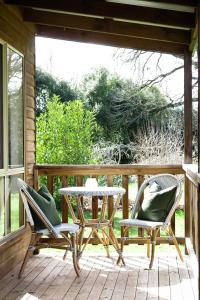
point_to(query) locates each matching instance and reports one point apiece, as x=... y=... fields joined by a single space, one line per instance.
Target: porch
x=47 y=276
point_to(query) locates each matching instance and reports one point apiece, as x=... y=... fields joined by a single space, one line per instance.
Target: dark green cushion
x=156 y=206
x=47 y=204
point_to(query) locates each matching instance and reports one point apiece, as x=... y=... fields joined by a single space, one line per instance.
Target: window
x=11 y=139
x=1 y=106
x=15 y=109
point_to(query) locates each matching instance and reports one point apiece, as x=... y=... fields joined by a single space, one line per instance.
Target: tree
x=157 y=69
x=121 y=107
x=47 y=86
x=64 y=133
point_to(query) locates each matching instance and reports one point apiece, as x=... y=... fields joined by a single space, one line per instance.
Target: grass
x=134 y=248
x=14 y=214
x=98 y=248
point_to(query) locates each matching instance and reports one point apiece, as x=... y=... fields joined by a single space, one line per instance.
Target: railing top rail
x=73 y=170
x=191 y=171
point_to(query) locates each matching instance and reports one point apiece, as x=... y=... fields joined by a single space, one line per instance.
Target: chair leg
x=124 y=231
x=170 y=231
x=149 y=244
x=29 y=252
x=74 y=254
x=153 y=244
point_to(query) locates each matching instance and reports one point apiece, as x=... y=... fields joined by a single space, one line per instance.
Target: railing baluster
x=79 y=182
x=140 y=182
x=110 y=199
x=64 y=205
x=36 y=179
x=95 y=206
x=125 y=200
x=50 y=183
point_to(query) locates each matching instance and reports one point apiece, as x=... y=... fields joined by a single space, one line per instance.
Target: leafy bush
x=64 y=136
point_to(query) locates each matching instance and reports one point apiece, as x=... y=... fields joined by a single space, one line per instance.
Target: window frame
x=6 y=172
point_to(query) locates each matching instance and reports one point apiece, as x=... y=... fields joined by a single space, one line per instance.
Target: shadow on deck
x=47 y=276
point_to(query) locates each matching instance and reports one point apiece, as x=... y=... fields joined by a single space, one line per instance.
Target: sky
x=69 y=60
x=72 y=60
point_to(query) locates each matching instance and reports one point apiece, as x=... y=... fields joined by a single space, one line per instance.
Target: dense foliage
x=106 y=124
x=64 y=133
x=47 y=86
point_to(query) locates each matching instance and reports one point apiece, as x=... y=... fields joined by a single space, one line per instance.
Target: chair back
x=164 y=181
x=29 y=201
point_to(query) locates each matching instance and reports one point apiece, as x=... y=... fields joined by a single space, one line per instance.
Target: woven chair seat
x=63 y=227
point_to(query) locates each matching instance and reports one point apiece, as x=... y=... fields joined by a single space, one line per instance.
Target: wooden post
x=187 y=130
x=198 y=219
x=187 y=107
x=198 y=57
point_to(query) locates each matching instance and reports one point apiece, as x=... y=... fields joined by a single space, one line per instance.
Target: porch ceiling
x=157 y=25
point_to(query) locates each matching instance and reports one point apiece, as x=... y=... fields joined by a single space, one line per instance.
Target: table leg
x=114 y=210
x=74 y=218
x=106 y=242
x=102 y=241
x=86 y=243
x=114 y=242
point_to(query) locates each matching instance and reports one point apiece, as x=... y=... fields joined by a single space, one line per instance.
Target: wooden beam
x=114 y=10
x=191 y=3
x=187 y=107
x=109 y=40
x=107 y=26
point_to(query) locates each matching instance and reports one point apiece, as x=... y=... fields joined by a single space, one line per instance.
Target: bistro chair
x=155 y=212
x=43 y=233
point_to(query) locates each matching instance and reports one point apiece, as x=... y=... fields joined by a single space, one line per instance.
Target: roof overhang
x=164 y=26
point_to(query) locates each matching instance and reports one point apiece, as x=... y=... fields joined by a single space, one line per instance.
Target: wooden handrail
x=75 y=170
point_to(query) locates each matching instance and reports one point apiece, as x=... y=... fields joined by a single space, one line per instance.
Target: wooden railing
x=192 y=219
x=80 y=172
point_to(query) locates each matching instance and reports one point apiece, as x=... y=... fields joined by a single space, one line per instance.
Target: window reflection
x=14 y=205
x=15 y=109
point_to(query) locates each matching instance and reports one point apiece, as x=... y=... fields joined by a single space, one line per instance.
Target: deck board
x=47 y=276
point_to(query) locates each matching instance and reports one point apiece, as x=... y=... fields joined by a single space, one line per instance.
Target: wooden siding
x=20 y=36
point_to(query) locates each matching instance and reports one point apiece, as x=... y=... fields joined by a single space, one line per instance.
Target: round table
x=103 y=223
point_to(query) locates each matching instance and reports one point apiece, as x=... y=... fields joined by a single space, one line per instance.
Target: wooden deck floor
x=48 y=277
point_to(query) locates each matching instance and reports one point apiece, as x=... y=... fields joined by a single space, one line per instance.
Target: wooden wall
x=21 y=36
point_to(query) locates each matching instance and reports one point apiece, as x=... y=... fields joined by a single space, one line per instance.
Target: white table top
x=92 y=191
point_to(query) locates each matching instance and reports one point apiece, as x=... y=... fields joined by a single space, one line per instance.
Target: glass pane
x=1 y=107
x=15 y=109
x=2 y=208
x=14 y=205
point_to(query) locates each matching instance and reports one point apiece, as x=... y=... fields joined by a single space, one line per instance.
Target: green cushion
x=47 y=204
x=157 y=205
